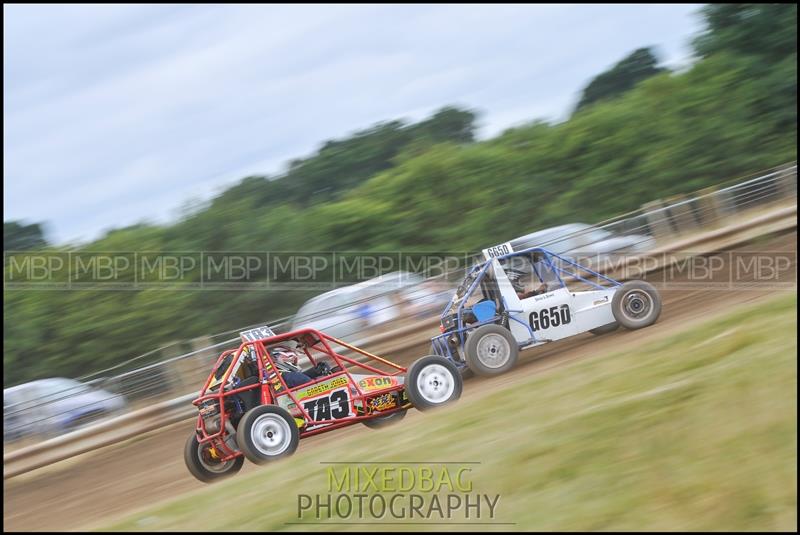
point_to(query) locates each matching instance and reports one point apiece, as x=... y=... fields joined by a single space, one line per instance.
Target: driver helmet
x=285 y=358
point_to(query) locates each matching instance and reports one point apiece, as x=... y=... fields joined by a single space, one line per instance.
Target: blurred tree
x=639 y=65
x=426 y=186
x=449 y=124
x=18 y=236
x=765 y=30
x=340 y=165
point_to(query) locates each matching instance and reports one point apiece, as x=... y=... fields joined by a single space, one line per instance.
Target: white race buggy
x=519 y=299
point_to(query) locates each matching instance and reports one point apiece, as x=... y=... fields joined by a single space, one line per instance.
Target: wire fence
x=181 y=371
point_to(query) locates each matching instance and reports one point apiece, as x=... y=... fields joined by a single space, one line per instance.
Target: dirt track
x=84 y=491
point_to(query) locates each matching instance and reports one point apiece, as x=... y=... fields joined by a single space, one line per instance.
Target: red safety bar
x=310 y=339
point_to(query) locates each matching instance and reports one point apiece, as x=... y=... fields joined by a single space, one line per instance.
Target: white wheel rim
x=270 y=434
x=217 y=467
x=435 y=383
x=493 y=350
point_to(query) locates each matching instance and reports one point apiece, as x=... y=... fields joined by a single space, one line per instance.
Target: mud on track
x=84 y=491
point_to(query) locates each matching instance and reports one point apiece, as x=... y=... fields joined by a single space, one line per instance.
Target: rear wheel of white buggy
x=433 y=381
x=636 y=304
x=267 y=433
x=491 y=350
x=201 y=462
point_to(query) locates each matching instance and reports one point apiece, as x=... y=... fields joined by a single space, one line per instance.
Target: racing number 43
x=332 y=407
x=550 y=317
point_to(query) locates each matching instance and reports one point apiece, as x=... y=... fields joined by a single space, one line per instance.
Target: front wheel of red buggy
x=433 y=381
x=201 y=462
x=267 y=433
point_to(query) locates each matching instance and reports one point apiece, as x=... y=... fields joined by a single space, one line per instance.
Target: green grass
x=695 y=431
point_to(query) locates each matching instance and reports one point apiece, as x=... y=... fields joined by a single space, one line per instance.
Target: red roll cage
x=272 y=385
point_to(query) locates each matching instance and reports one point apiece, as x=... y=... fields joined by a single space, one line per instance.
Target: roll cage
x=457 y=319
x=271 y=385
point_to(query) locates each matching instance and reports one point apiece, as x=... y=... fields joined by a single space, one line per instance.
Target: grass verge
x=695 y=431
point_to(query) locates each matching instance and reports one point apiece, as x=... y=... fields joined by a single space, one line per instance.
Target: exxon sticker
x=256 y=334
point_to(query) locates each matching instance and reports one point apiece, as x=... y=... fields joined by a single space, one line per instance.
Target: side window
x=531 y=272
x=546 y=273
x=520 y=269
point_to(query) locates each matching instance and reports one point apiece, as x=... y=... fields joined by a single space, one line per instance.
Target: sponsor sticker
x=321 y=388
x=382 y=402
x=370 y=384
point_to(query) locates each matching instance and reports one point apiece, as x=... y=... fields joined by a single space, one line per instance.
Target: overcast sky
x=119 y=114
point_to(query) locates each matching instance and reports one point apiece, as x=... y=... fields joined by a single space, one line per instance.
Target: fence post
x=787 y=182
x=191 y=371
x=657 y=220
x=177 y=381
x=681 y=213
x=199 y=366
x=714 y=205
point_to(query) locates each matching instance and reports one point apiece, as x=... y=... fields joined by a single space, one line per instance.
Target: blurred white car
x=347 y=312
x=53 y=406
x=583 y=241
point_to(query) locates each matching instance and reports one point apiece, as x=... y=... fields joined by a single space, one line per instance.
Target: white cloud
x=115 y=114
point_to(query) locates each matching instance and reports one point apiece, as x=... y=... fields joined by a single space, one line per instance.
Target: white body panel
x=592 y=309
x=550 y=315
x=556 y=314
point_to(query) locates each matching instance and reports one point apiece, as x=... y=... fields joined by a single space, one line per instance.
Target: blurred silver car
x=348 y=312
x=54 y=406
x=584 y=242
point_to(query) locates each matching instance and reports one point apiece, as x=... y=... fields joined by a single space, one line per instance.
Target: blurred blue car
x=54 y=406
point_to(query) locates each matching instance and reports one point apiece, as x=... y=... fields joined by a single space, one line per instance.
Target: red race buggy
x=252 y=406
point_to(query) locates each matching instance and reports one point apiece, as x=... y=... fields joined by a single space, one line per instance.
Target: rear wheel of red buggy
x=433 y=381
x=201 y=462
x=267 y=433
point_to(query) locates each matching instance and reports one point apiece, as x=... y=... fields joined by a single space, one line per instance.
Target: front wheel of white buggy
x=491 y=350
